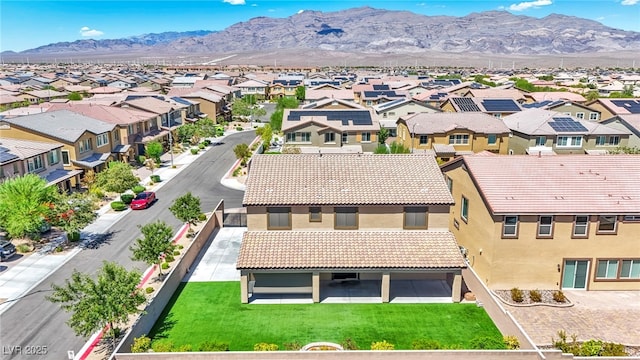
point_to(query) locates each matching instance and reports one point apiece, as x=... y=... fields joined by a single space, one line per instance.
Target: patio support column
x=456 y=288
x=244 y=288
x=386 y=284
x=315 y=287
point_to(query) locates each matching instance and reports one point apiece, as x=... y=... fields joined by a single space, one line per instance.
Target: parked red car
x=143 y=200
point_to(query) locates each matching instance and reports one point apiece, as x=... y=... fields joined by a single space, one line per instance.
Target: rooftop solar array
x=391 y=103
x=381 y=87
x=566 y=124
x=376 y=93
x=180 y=100
x=5 y=155
x=500 y=105
x=632 y=106
x=466 y=104
x=357 y=117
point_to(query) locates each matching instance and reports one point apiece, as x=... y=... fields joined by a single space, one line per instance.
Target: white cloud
x=629 y=2
x=234 y=2
x=254 y=4
x=271 y=10
x=529 y=4
x=300 y=11
x=86 y=31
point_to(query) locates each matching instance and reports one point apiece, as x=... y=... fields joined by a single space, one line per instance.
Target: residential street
x=35 y=322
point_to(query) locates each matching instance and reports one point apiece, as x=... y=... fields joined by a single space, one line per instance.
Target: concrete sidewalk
x=18 y=280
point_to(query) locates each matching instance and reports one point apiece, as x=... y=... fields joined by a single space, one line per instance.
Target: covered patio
x=350 y=267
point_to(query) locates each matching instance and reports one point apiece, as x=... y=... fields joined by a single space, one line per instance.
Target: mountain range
x=374 y=31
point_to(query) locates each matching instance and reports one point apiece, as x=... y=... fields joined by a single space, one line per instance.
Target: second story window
x=415 y=217
x=607 y=224
x=315 y=214
x=545 y=226
x=581 y=226
x=35 y=164
x=510 y=226
x=85 y=145
x=279 y=218
x=580 y=115
x=330 y=137
x=424 y=139
x=53 y=157
x=492 y=139
x=346 y=218
x=594 y=116
x=102 y=139
x=464 y=209
x=459 y=139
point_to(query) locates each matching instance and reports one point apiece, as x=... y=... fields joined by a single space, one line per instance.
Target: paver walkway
x=604 y=315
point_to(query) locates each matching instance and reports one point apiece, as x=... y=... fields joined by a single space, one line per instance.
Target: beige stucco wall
x=528 y=262
x=369 y=218
x=477 y=142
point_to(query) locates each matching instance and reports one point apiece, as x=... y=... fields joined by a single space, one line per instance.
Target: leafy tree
x=72 y=212
x=381 y=149
x=186 y=208
x=249 y=99
x=186 y=132
x=266 y=134
x=592 y=95
x=154 y=150
x=117 y=177
x=276 y=120
x=24 y=204
x=242 y=109
x=626 y=150
x=546 y=77
x=74 y=96
x=155 y=244
x=206 y=127
x=396 y=148
x=287 y=102
x=383 y=135
x=96 y=303
x=300 y=93
x=242 y=152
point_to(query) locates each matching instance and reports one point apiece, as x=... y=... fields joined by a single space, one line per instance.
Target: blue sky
x=26 y=24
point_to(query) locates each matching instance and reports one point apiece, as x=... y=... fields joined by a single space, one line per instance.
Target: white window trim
x=569 y=141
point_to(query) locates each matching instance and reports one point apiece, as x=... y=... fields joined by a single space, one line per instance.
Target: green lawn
x=212 y=311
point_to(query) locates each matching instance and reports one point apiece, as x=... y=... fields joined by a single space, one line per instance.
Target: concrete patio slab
x=218 y=262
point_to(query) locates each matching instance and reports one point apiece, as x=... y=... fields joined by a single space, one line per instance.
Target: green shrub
x=184 y=348
x=566 y=347
x=137 y=189
x=202 y=217
x=149 y=290
x=590 y=348
x=118 y=205
x=23 y=248
x=349 y=344
x=97 y=193
x=164 y=266
x=613 y=349
x=194 y=151
x=237 y=171
x=517 y=295
x=293 y=346
x=142 y=159
x=176 y=253
x=155 y=178
x=239 y=128
x=141 y=344
x=535 y=296
x=201 y=146
x=59 y=248
x=425 y=344
x=73 y=236
x=169 y=258
x=206 y=142
x=213 y=346
x=180 y=247
x=487 y=343
x=127 y=198
x=265 y=347
x=511 y=342
x=558 y=296
x=163 y=346
x=382 y=345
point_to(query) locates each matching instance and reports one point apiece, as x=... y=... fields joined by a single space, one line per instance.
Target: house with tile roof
x=566 y=107
x=542 y=132
x=630 y=123
x=320 y=130
x=549 y=222
x=258 y=88
x=20 y=157
x=379 y=220
x=498 y=107
x=612 y=107
x=88 y=143
x=453 y=134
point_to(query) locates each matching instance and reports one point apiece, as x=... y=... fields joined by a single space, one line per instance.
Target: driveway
x=604 y=315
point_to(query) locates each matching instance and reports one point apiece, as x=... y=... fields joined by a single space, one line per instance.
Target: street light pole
x=413 y=134
x=171 y=147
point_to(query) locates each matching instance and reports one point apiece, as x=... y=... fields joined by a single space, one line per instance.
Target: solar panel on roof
x=7 y=156
x=566 y=124
x=381 y=87
x=358 y=117
x=502 y=105
x=632 y=106
x=180 y=100
x=466 y=104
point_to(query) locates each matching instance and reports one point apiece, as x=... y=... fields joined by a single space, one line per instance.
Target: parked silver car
x=7 y=250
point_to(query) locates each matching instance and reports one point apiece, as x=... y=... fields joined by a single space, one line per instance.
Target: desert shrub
x=149 y=290
x=97 y=193
x=382 y=345
x=535 y=296
x=590 y=348
x=202 y=217
x=349 y=344
x=163 y=346
x=213 y=346
x=425 y=344
x=180 y=247
x=511 y=342
x=293 y=346
x=155 y=178
x=613 y=349
x=486 y=343
x=142 y=159
x=265 y=347
x=169 y=258
x=73 y=236
x=118 y=205
x=206 y=142
x=141 y=344
x=558 y=296
x=126 y=198
x=563 y=345
x=176 y=253
x=164 y=266
x=23 y=248
x=237 y=171
x=239 y=128
x=59 y=248
x=517 y=295
x=194 y=151
x=184 y=348
x=201 y=146
x=137 y=189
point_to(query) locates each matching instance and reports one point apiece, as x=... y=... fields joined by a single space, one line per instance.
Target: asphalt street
x=34 y=323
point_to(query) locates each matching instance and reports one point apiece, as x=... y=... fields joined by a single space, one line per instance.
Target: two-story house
x=379 y=221
x=453 y=134
x=314 y=130
x=283 y=88
x=495 y=107
x=258 y=88
x=388 y=113
x=538 y=131
x=609 y=108
x=629 y=123
x=20 y=157
x=549 y=222
x=566 y=107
